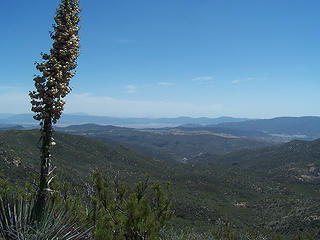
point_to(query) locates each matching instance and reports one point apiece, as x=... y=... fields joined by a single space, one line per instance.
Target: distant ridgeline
x=69 y=119
x=286 y=128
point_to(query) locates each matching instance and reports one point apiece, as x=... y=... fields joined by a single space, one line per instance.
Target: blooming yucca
x=57 y=67
x=52 y=85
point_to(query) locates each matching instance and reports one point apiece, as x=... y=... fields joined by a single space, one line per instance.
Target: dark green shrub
x=129 y=216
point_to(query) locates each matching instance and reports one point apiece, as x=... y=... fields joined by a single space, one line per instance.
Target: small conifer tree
x=52 y=86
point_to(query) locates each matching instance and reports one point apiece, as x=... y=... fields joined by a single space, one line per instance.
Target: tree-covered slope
x=203 y=192
x=284 y=156
x=73 y=155
x=179 y=144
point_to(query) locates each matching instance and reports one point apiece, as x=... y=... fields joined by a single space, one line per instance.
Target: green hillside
x=74 y=155
x=203 y=192
x=297 y=160
x=179 y=144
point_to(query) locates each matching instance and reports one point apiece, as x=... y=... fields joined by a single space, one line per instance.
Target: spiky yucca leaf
x=56 y=224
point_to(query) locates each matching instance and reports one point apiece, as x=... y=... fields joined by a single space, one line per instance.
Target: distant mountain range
x=285 y=128
x=290 y=127
x=69 y=119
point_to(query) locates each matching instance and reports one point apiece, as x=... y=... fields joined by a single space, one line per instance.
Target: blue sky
x=167 y=58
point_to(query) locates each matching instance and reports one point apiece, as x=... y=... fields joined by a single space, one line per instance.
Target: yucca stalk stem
x=45 y=169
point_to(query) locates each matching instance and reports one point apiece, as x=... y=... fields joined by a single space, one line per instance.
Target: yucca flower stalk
x=52 y=86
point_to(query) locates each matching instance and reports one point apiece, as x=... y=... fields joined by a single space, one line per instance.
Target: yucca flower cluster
x=58 y=67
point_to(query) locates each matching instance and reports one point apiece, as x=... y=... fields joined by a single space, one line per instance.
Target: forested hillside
x=181 y=144
x=272 y=199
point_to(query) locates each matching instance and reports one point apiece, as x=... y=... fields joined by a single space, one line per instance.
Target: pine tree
x=52 y=86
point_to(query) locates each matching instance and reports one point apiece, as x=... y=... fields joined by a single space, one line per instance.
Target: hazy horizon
x=150 y=117
x=252 y=59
